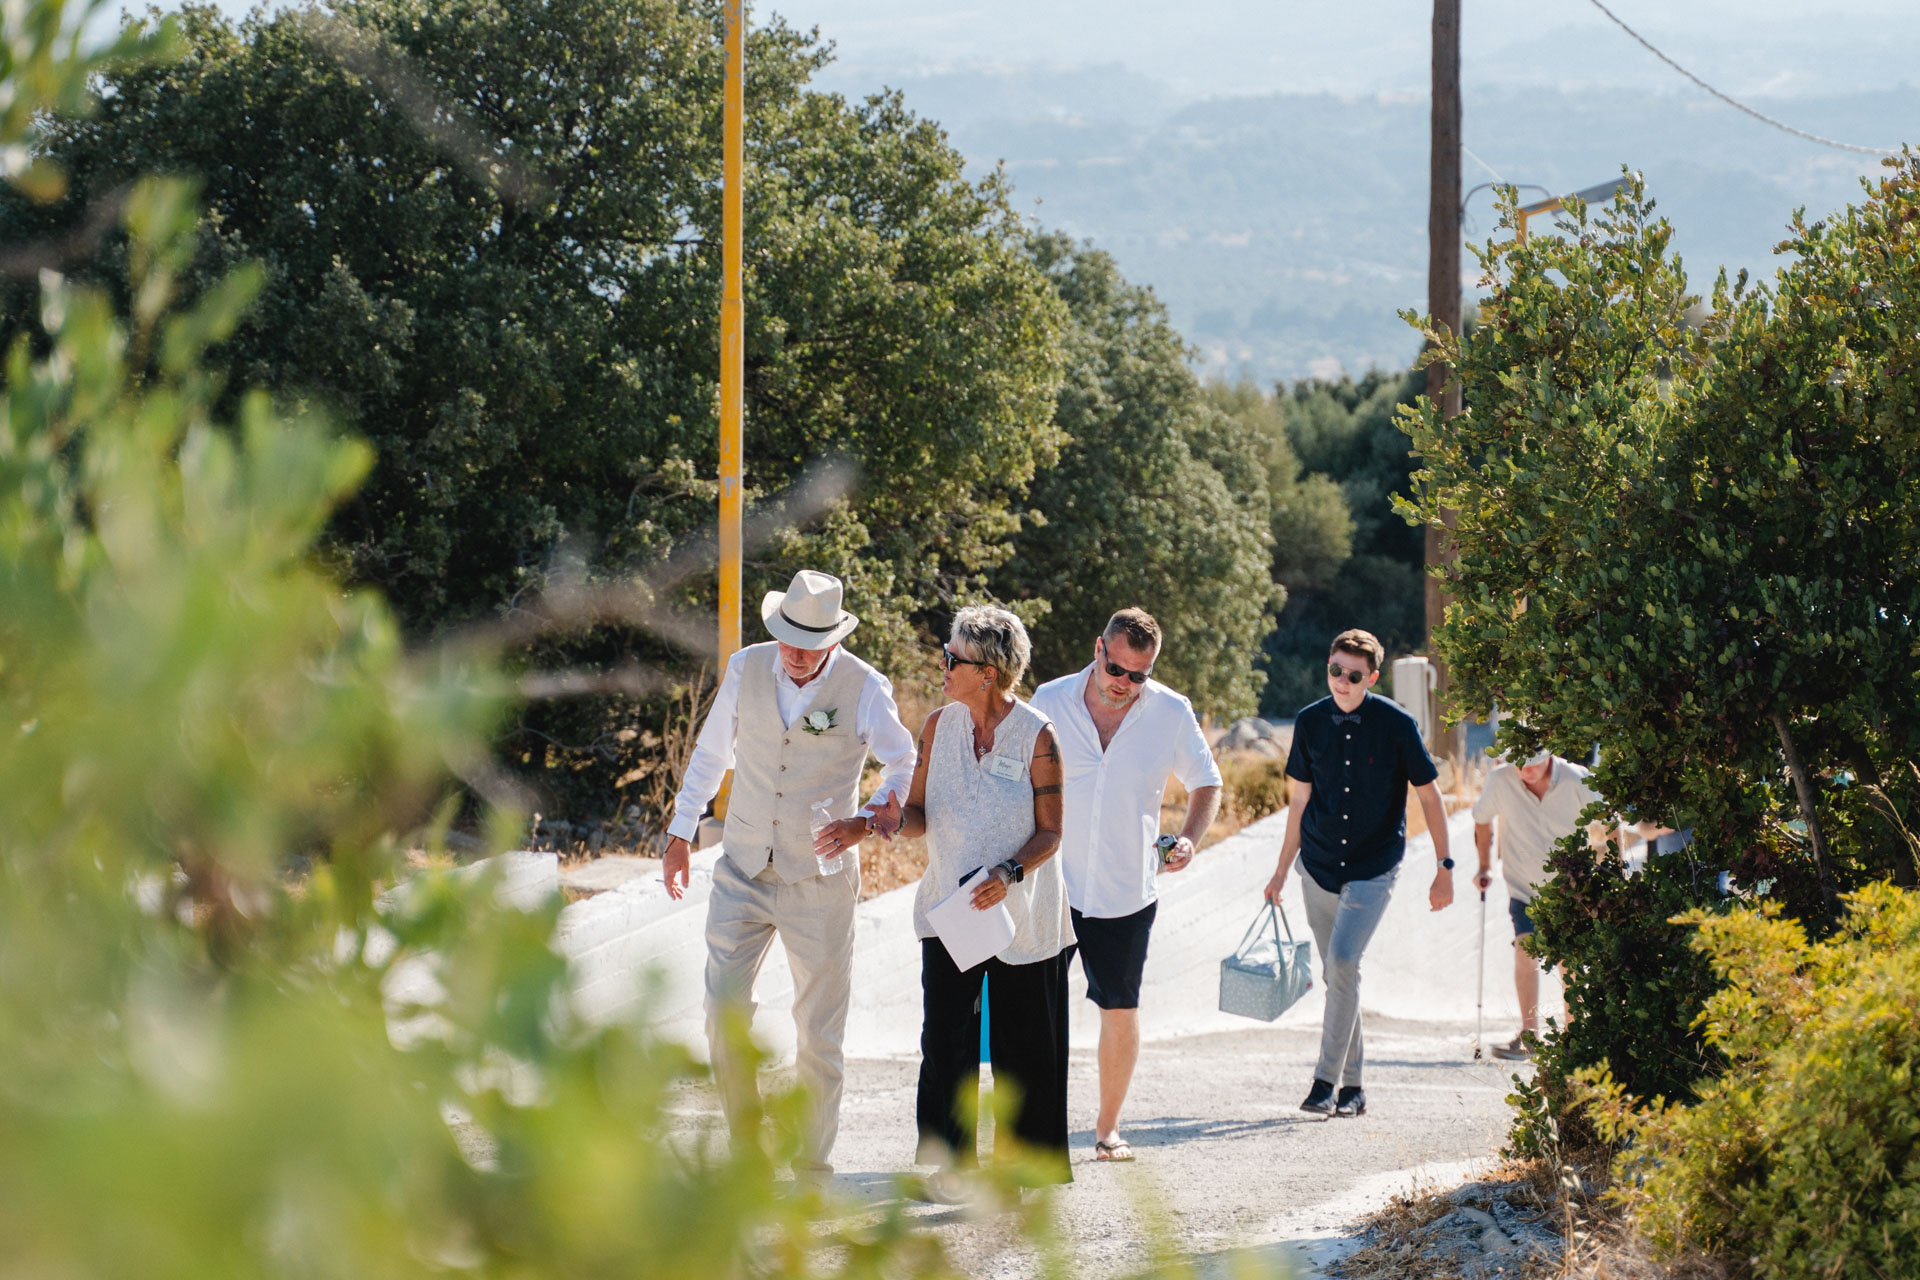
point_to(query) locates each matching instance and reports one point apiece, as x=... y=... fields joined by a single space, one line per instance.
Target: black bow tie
x=1352 y=719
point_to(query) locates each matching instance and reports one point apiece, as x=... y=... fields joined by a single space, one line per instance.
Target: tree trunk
x=1803 y=792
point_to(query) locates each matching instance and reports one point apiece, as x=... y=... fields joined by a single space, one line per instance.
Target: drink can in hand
x=1167 y=845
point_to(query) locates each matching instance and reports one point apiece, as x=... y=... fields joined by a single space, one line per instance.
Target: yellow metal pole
x=732 y=343
x=732 y=330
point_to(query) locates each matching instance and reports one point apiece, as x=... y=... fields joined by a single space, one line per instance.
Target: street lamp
x=1591 y=195
x=1604 y=191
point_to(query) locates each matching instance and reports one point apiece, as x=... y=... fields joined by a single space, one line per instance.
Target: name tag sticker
x=1005 y=767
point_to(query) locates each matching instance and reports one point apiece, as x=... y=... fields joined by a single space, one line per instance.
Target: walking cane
x=1480 y=991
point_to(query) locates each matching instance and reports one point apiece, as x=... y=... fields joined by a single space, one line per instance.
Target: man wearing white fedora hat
x=794 y=718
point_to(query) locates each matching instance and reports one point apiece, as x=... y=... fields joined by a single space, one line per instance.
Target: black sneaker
x=1319 y=1099
x=1352 y=1102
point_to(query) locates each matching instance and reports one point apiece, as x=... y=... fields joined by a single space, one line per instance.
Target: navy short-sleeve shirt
x=1355 y=824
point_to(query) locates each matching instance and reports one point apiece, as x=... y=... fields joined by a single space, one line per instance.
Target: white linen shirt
x=1529 y=827
x=1112 y=797
x=876 y=721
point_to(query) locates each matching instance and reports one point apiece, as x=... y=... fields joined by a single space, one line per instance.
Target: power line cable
x=1738 y=106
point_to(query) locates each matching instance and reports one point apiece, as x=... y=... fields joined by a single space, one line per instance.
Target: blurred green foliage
x=1688 y=534
x=1798 y=1161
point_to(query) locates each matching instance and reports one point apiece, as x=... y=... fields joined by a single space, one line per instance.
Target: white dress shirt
x=876 y=721
x=1112 y=797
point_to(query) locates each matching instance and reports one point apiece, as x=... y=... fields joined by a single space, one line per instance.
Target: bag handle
x=1270 y=916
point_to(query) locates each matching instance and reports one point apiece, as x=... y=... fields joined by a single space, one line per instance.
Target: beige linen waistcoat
x=779 y=772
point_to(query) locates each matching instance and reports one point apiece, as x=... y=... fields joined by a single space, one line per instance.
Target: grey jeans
x=1343 y=924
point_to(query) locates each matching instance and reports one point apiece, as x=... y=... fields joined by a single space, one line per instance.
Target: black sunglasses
x=1337 y=671
x=953 y=659
x=1115 y=670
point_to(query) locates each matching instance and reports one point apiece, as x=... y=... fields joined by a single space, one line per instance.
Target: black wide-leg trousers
x=1027 y=1041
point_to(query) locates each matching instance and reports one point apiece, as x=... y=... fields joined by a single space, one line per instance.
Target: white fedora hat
x=807 y=615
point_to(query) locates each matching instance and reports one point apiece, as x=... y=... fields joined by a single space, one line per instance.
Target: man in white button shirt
x=1121 y=734
x=1538 y=804
x=794 y=719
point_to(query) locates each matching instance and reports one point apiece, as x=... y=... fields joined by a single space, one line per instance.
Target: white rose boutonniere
x=818 y=722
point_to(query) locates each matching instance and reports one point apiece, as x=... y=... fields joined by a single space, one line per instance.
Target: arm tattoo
x=1046 y=791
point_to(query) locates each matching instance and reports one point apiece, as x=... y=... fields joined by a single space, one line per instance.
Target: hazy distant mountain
x=1285 y=232
x=1263 y=163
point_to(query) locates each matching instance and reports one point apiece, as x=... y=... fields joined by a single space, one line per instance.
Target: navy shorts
x=1522 y=922
x=1113 y=954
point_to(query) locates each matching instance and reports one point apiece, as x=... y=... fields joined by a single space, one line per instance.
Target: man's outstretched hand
x=678 y=860
x=886 y=821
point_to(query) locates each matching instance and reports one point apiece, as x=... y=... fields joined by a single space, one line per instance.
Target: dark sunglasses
x=953 y=659
x=1337 y=671
x=1115 y=670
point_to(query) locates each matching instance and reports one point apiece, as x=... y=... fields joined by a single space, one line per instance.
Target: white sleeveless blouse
x=975 y=819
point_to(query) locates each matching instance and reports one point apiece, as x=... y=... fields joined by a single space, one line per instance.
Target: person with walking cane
x=1538 y=804
x=794 y=718
x=1354 y=756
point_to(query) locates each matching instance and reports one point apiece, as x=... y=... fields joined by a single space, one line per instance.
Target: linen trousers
x=1343 y=923
x=814 y=921
x=1027 y=1042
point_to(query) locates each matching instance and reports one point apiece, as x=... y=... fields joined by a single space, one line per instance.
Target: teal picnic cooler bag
x=1264 y=975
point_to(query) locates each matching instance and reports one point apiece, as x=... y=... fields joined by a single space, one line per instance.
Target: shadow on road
x=1167 y=1131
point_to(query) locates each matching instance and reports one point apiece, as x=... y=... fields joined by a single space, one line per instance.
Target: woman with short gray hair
x=986 y=791
x=997 y=638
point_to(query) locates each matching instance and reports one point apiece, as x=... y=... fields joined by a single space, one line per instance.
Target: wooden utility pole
x=1443 y=298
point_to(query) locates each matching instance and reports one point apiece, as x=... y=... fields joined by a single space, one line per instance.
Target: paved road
x=1225 y=1158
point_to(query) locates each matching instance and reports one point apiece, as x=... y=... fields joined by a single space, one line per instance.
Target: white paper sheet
x=971 y=936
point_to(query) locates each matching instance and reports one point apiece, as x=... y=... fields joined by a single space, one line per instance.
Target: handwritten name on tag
x=1007 y=767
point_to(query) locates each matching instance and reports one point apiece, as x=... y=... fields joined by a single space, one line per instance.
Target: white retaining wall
x=1420 y=966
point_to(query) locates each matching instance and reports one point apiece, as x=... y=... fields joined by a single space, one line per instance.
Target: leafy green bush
x=1633 y=985
x=1803 y=1159
x=1685 y=531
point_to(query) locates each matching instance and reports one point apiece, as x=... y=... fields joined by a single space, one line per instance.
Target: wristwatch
x=1015 y=872
x=1446 y=864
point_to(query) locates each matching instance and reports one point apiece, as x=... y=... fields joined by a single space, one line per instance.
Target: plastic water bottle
x=834 y=864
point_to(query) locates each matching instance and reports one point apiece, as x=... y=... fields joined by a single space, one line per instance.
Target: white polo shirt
x=1112 y=797
x=1530 y=827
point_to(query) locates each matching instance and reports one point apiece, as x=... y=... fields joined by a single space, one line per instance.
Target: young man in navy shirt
x=1354 y=756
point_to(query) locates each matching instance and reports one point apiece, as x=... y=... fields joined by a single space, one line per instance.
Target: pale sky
x=1208 y=48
